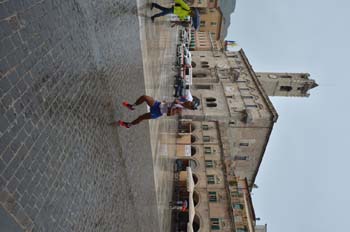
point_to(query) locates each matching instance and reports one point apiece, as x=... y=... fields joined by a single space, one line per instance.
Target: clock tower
x=286 y=84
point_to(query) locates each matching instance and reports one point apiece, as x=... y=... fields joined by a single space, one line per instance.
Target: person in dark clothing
x=181 y=9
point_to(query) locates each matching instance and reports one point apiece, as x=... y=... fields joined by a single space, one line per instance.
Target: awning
x=190 y=182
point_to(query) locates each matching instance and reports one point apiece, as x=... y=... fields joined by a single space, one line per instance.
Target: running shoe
x=128 y=105
x=124 y=124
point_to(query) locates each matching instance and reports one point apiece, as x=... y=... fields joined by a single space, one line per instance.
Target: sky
x=303 y=179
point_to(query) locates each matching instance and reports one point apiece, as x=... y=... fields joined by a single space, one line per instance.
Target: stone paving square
x=65 y=68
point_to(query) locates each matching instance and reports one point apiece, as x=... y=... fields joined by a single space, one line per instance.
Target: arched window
x=193 y=164
x=195 y=179
x=193 y=139
x=193 y=150
x=195 y=198
x=196 y=223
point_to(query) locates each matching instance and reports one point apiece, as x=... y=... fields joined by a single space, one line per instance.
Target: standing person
x=179 y=205
x=181 y=9
x=157 y=109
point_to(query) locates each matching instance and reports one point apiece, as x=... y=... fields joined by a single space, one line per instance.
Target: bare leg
x=141 y=118
x=145 y=116
x=144 y=98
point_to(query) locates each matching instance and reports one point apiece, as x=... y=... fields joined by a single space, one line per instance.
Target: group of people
x=159 y=108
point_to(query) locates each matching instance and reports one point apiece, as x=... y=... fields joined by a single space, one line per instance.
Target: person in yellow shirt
x=181 y=9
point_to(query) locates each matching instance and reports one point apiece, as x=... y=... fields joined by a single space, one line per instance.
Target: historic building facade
x=211 y=20
x=222 y=201
x=225 y=140
x=231 y=92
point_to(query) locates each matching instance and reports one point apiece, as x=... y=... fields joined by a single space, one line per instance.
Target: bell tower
x=286 y=84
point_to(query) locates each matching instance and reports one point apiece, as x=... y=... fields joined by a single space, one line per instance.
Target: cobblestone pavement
x=65 y=67
x=163 y=130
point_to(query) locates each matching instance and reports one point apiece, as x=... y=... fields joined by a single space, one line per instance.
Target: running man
x=157 y=109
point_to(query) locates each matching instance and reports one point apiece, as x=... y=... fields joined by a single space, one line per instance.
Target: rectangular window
x=286 y=88
x=238 y=219
x=213 y=23
x=239 y=157
x=211 y=104
x=205 y=127
x=207 y=150
x=251 y=106
x=209 y=164
x=202 y=86
x=237 y=206
x=210 y=179
x=212 y=197
x=202 y=24
x=236 y=194
x=215 y=223
x=206 y=138
x=243 y=144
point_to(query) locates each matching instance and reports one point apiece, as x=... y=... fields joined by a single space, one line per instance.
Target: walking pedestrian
x=181 y=9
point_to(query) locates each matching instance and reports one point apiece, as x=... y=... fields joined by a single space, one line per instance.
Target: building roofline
x=260 y=87
x=262 y=156
x=222 y=19
x=269 y=104
x=226 y=174
x=250 y=198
